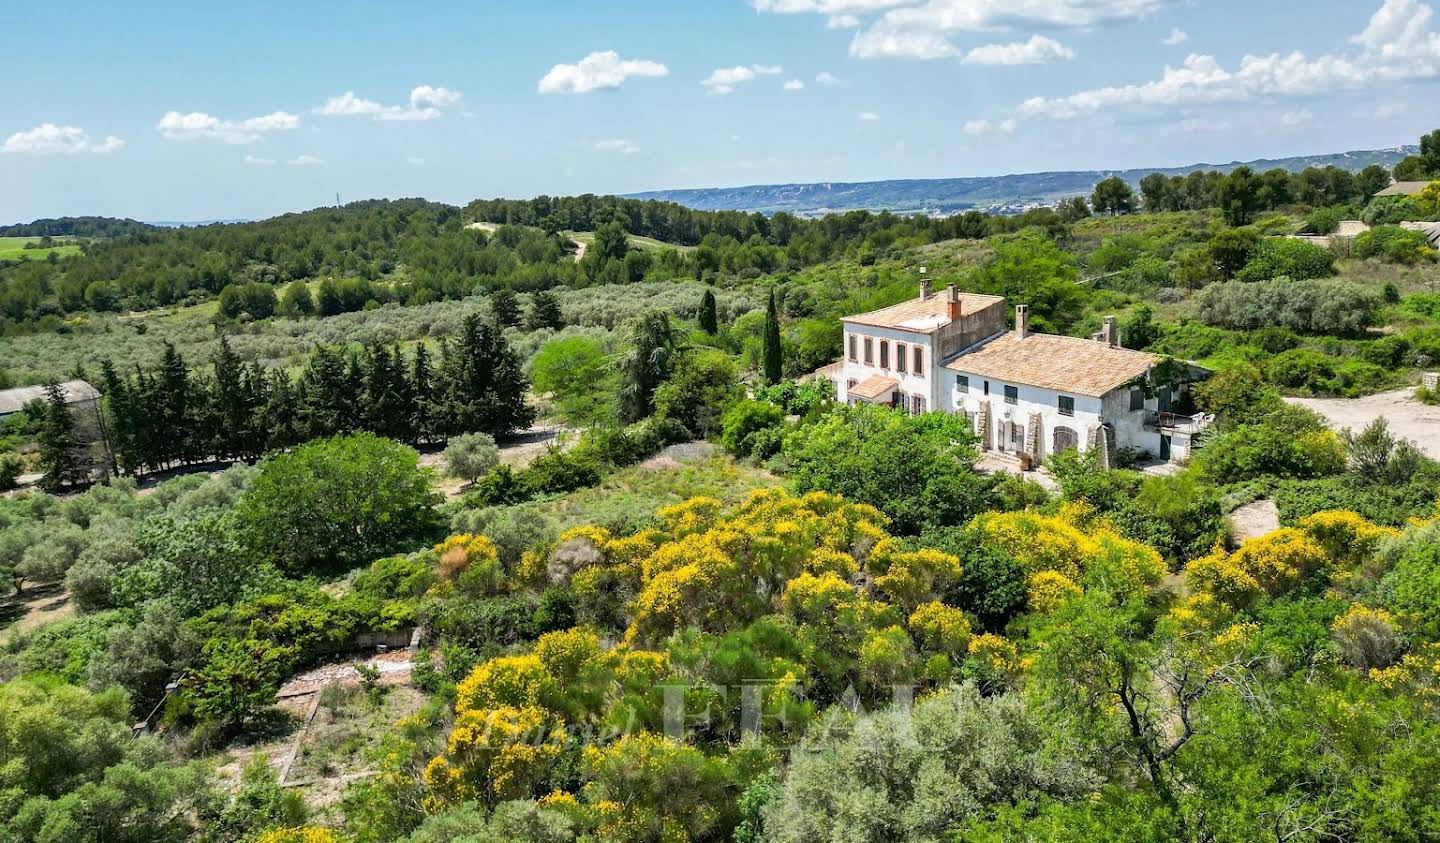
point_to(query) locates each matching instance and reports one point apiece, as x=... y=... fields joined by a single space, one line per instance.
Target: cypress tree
x=771 y=348
x=424 y=420
x=233 y=416
x=172 y=401
x=709 y=320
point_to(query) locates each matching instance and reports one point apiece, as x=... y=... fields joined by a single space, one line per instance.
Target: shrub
x=471 y=456
x=1393 y=244
x=1325 y=220
x=1338 y=308
x=745 y=424
x=1288 y=257
x=919 y=470
x=10 y=467
x=1302 y=368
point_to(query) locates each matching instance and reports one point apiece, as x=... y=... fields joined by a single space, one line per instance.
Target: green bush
x=1287 y=257
x=919 y=470
x=1393 y=244
x=1302 y=368
x=1325 y=220
x=11 y=465
x=744 y=426
x=1332 y=307
x=1289 y=442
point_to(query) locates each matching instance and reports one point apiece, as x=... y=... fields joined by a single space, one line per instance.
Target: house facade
x=1027 y=394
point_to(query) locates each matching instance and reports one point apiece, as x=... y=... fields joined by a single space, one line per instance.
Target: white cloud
x=723 y=80
x=1398 y=45
x=426 y=103
x=795 y=85
x=597 y=71
x=1302 y=117
x=1176 y=37
x=305 y=161
x=258 y=161
x=842 y=21
x=868 y=116
x=1038 y=50
x=923 y=31
x=824 y=7
x=50 y=139
x=979 y=128
x=415 y=161
x=620 y=145
x=828 y=78
x=197 y=124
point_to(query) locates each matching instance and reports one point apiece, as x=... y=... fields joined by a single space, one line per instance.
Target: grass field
x=13 y=249
x=588 y=237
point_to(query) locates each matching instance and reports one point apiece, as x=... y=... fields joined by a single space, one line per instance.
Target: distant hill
x=195 y=223
x=75 y=227
x=990 y=193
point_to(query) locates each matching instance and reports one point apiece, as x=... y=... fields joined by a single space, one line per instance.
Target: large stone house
x=1026 y=393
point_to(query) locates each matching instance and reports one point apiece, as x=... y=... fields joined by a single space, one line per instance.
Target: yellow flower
x=1049 y=590
x=941 y=628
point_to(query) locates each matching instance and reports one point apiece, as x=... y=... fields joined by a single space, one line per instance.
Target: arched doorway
x=1065 y=439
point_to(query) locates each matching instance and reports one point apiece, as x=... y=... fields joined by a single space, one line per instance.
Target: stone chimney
x=1022 y=321
x=924 y=285
x=952 y=307
x=1111 y=332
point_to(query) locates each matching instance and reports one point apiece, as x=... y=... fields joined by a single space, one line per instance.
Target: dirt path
x=1253 y=520
x=32 y=609
x=1408 y=418
x=517 y=452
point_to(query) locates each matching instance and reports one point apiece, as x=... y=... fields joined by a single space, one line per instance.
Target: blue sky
x=180 y=110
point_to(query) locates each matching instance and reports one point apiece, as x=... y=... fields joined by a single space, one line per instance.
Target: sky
x=181 y=111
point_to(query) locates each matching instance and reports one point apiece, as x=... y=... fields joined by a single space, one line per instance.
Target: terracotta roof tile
x=922 y=317
x=873 y=387
x=1064 y=364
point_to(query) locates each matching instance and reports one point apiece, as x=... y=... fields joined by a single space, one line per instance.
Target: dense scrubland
x=720 y=606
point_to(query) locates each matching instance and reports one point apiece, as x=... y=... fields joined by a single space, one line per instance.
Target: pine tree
x=544 y=312
x=771 y=348
x=485 y=383
x=505 y=307
x=709 y=320
x=58 y=458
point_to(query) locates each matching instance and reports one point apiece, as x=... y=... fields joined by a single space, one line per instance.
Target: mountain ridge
x=1002 y=193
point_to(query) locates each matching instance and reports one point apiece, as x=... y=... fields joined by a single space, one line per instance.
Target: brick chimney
x=953 y=306
x=924 y=285
x=1111 y=332
x=1022 y=321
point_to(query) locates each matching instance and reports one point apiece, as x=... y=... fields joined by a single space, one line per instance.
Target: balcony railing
x=1178 y=423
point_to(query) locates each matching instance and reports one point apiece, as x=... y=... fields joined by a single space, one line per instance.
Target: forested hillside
x=661 y=586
